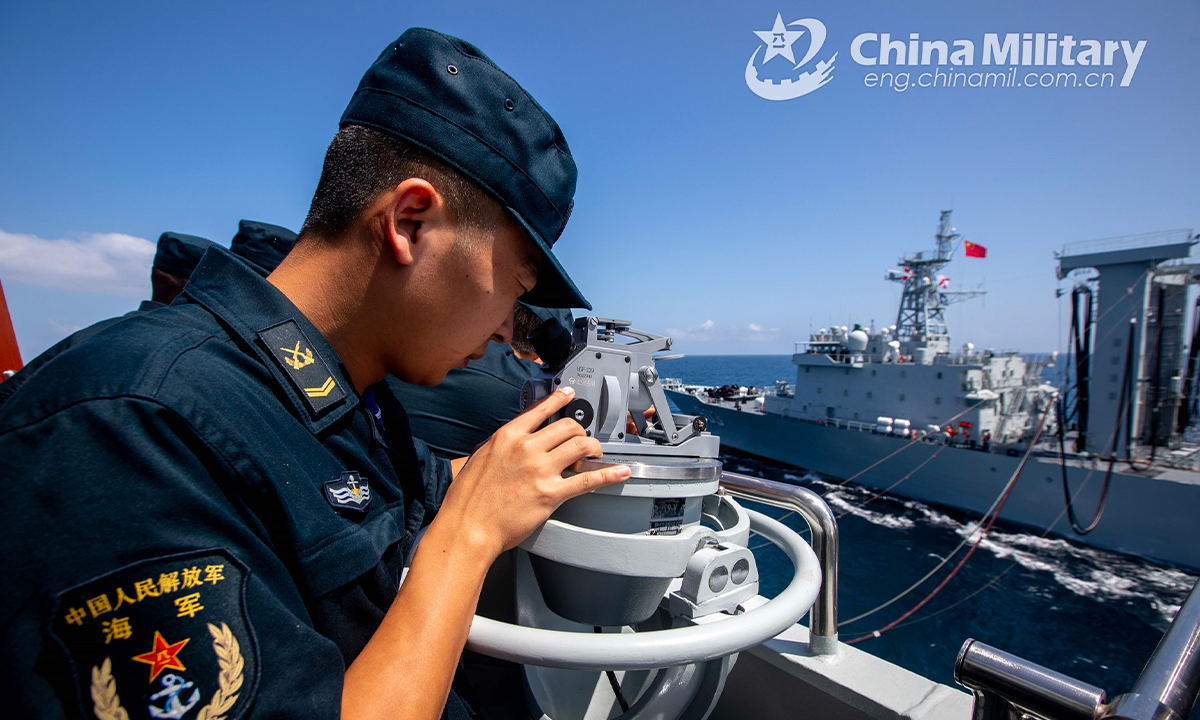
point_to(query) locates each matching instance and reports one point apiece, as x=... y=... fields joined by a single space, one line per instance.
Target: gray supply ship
x=898 y=409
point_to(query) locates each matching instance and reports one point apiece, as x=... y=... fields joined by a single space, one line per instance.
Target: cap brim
x=564 y=316
x=554 y=287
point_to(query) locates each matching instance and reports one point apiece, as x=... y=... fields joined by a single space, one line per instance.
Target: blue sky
x=731 y=221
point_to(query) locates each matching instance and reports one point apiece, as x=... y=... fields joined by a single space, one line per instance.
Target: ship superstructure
x=898 y=409
x=904 y=379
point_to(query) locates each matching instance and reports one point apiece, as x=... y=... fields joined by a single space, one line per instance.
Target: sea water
x=1091 y=614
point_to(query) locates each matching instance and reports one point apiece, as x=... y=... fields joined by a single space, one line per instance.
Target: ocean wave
x=841 y=500
x=1093 y=573
x=1084 y=571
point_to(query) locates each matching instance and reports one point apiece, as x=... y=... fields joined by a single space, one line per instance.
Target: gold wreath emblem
x=229 y=656
x=107 y=704
x=105 y=700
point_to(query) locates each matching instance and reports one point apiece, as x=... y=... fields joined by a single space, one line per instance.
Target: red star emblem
x=163 y=655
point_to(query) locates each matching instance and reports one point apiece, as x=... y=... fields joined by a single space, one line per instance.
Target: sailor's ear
x=406 y=209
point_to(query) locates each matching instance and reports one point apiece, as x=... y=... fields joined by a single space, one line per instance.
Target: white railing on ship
x=833 y=422
x=1127 y=242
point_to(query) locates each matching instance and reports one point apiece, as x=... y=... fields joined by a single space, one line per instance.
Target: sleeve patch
x=161 y=638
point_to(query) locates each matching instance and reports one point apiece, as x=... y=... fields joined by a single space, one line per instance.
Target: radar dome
x=857 y=342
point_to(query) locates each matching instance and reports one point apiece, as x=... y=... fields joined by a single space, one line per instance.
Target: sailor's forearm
x=406 y=669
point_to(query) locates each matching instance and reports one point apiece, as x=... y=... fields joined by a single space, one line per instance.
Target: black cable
x=1081 y=334
x=1187 y=407
x=616 y=686
x=1156 y=373
x=1081 y=530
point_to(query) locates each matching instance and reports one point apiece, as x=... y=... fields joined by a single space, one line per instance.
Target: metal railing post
x=1006 y=686
x=1167 y=687
x=823 y=618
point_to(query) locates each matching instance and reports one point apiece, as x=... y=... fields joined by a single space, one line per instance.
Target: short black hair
x=525 y=321
x=362 y=162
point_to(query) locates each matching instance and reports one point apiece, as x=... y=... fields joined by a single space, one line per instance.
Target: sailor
x=174 y=260
x=223 y=493
x=471 y=404
x=263 y=244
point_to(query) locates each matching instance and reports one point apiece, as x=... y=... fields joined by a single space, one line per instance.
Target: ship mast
x=922 y=317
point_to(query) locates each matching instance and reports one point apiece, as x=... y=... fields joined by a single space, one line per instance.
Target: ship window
x=1116 y=342
x=847 y=371
x=902 y=398
x=937 y=401
x=872 y=373
x=855 y=416
x=1116 y=360
x=845 y=393
x=1112 y=378
x=903 y=373
x=939 y=376
x=818 y=391
x=807 y=369
x=870 y=394
x=1112 y=396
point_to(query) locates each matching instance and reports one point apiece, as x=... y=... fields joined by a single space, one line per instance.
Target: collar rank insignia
x=349 y=491
x=161 y=638
x=308 y=372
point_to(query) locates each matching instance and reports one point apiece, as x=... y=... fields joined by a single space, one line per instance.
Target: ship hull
x=1149 y=517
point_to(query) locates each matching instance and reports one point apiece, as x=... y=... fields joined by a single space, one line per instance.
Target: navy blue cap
x=178 y=254
x=562 y=315
x=263 y=244
x=444 y=95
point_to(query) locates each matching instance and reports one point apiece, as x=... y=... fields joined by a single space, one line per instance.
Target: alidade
x=652 y=576
x=615 y=382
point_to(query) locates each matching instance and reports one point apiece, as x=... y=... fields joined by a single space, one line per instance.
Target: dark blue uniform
x=9 y=387
x=470 y=404
x=202 y=513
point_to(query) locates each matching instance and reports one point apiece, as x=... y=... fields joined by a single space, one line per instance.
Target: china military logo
x=164 y=638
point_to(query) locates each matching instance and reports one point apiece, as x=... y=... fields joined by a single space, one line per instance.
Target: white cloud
x=109 y=263
x=62 y=329
x=709 y=331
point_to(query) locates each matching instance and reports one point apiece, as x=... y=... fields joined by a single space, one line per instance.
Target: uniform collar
x=148 y=305
x=256 y=312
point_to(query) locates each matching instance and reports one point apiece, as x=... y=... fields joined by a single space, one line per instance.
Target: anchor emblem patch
x=349 y=491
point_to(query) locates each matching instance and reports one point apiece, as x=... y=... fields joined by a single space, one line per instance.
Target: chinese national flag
x=973 y=250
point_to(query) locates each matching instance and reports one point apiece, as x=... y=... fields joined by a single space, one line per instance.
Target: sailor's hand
x=513 y=482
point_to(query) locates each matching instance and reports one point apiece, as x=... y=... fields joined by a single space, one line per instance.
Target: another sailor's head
x=174 y=260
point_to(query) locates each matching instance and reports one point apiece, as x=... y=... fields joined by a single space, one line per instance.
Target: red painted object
x=972 y=250
x=10 y=356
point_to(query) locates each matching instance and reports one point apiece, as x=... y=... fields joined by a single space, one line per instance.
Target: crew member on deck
x=263 y=244
x=211 y=504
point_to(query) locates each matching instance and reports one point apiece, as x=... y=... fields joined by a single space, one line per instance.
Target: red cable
x=1003 y=499
x=929 y=597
